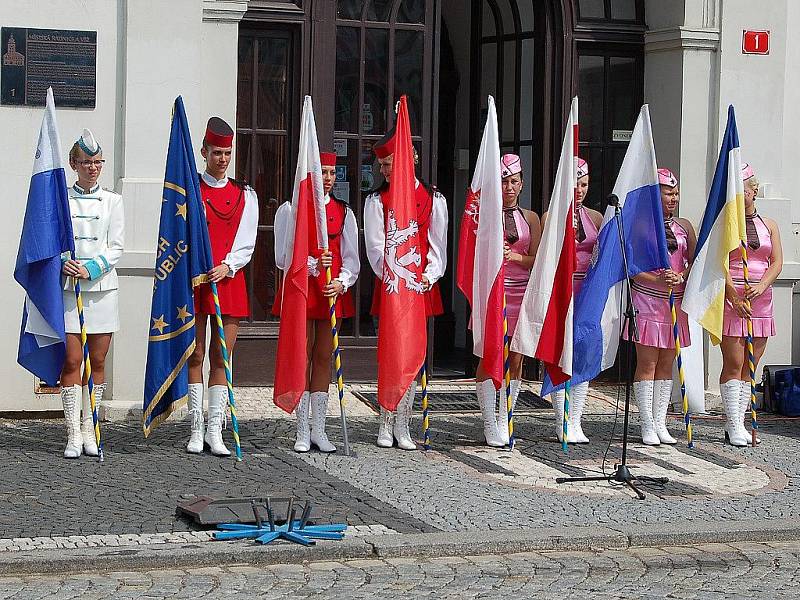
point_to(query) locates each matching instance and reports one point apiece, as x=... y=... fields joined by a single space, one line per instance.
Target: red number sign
x=755 y=42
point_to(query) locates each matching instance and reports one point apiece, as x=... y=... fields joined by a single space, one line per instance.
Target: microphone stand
x=622 y=474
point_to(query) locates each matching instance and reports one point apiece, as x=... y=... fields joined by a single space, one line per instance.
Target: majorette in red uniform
x=231 y=210
x=432 y=223
x=342 y=257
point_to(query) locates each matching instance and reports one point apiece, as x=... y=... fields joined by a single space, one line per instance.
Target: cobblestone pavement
x=711 y=571
x=460 y=485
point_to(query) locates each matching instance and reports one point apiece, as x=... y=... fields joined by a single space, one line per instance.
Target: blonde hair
x=754 y=183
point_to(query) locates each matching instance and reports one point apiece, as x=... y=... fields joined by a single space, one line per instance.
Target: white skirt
x=100 y=311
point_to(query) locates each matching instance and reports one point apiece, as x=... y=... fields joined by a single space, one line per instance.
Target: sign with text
x=755 y=42
x=31 y=60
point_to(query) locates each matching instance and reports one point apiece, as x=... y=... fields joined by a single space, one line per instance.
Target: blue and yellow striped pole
x=565 y=416
x=87 y=368
x=228 y=376
x=687 y=417
x=751 y=362
x=426 y=440
x=507 y=376
x=337 y=359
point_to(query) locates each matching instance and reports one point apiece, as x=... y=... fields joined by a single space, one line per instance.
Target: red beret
x=328 y=159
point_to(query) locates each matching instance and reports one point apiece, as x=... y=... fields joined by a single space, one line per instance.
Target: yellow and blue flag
x=183 y=258
x=721 y=233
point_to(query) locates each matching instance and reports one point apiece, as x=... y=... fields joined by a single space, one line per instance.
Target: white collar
x=213 y=181
x=83 y=192
x=327 y=199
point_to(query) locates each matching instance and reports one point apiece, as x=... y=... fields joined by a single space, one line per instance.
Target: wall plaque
x=31 y=60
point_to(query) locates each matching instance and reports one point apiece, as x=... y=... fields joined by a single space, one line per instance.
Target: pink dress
x=583 y=250
x=651 y=300
x=762 y=310
x=516 y=276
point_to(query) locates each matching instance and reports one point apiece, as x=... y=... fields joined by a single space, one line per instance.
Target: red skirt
x=433 y=300
x=318 y=308
x=233 y=300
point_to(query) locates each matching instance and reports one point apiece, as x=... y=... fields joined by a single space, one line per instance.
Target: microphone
x=613 y=200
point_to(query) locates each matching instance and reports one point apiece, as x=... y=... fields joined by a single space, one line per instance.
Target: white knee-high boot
x=70 y=399
x=731 y=392
x=643 y=392
x=402 y=419
x=195 y=445
x=746 y=391
x=302 y=441
x=662 y=392
x=385 y=435
x=87 y=421
x=487 y=397
x=576 y=406
x=319 y=409
x=217 y=407
x=557 y=398
x=502 y=409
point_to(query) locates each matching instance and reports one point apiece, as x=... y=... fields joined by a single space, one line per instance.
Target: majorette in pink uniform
x=516 y=276
x=759 y=250
x=651 y=299
x=583 y=247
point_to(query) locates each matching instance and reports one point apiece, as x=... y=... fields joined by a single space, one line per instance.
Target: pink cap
x=583 y=168
x=667 y=177
x=510 y=164
x=747 y=171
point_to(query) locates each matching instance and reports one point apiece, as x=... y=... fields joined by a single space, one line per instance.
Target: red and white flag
x=480 y=252
x=402 y=331
x=308 y=215
x=544 y=328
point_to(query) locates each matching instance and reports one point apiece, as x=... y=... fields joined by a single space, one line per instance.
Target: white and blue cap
x=88 y=144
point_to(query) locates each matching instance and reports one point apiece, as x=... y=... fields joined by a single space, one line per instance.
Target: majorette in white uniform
x=98 y=227
x=342 y=231
x=432 y=208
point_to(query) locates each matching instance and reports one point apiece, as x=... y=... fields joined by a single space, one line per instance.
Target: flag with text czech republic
x=308 y=206
x=183 y=257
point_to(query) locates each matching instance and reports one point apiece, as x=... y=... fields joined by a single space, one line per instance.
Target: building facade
x=252 y=61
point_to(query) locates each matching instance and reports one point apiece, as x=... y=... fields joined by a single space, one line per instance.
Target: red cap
x=328 y=159
x=218 y=133
x=385 y=146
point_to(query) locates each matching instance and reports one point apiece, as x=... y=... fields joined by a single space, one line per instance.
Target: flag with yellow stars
x=183 y=257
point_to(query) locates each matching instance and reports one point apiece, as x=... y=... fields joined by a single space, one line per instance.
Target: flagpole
x=426 y=440
x=565 y=416
x=507 y=376
x=228 y=375
x=751 y=363
x=337 y=358
x=87 y=367
x=687 y=416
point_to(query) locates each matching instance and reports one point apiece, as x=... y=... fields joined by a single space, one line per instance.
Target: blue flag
x=183 y=257
x=46 y=234
x=600 y=303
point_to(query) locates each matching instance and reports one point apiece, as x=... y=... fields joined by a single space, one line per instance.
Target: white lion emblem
x=394 y=266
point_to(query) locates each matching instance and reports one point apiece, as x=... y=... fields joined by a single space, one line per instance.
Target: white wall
x=20 y=127
x=149 y=52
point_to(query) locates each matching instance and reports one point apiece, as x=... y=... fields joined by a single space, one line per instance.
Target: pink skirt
x=762 y=317
x=515 y=290
x=655 y=322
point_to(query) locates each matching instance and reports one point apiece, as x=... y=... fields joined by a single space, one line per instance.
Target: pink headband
x=666 y=177
x=583 y=168
x=510 y=164
x=747 y=172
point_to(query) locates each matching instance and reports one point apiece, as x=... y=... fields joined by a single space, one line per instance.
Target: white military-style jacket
x=98 y=225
